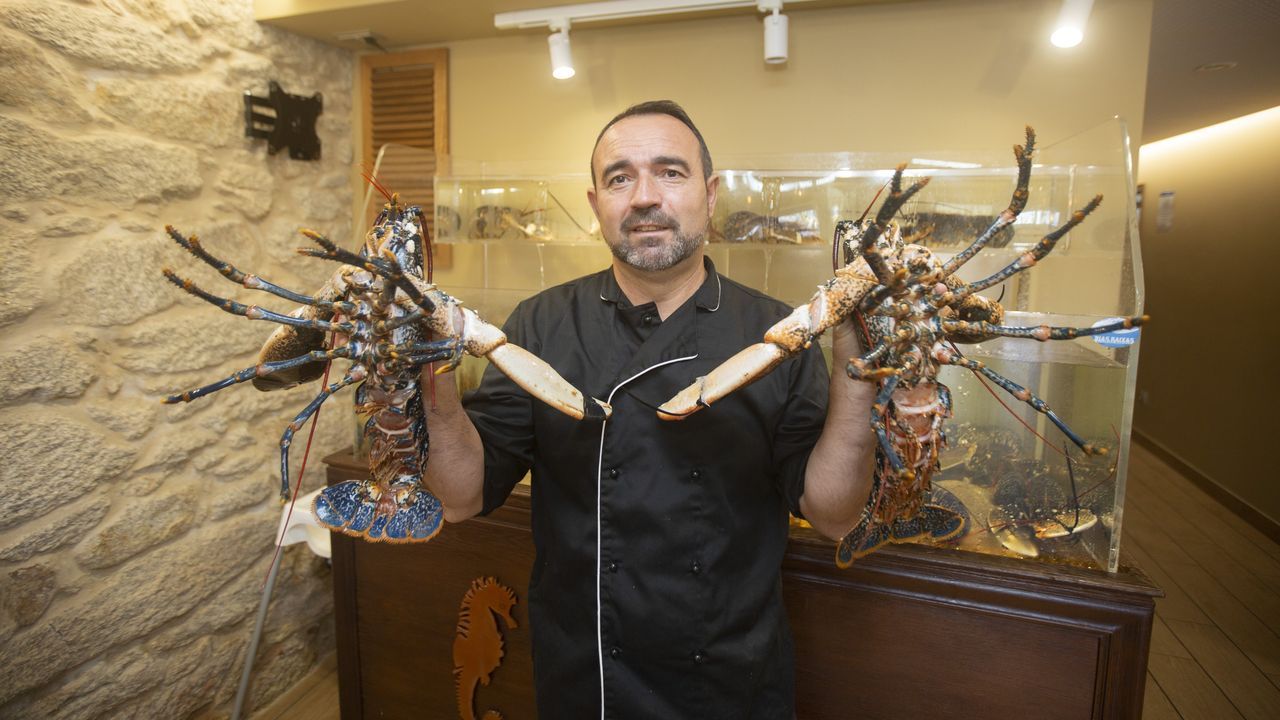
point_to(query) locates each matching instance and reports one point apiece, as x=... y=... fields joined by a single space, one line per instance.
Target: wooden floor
x=1215 y=648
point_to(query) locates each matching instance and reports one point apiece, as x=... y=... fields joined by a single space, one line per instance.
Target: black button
x=695 y=567
x=613 y=473
x=696 y=474
x=698 y=657
x=613 y=567
x=649 y=319
x=615 y=652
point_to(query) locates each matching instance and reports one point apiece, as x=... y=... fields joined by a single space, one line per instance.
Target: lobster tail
x=932 y=522
x=360 y=508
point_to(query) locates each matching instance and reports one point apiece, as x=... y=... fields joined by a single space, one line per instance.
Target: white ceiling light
x=558 y=19
x=561 y=57
x=775 y=31
x=1069 y=30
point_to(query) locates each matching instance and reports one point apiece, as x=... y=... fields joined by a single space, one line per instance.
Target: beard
x=655 y=256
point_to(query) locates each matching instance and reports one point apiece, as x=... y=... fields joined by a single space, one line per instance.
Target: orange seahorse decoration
x=477 y=647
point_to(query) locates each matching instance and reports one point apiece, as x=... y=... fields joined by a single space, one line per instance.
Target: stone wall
x=134 y=536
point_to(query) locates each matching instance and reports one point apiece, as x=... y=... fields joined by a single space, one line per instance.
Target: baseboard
x=1242 y=509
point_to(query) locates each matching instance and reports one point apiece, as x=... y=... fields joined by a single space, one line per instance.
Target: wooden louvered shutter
x=406 y=103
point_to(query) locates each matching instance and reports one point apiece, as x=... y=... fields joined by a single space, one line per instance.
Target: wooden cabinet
x=908 y=632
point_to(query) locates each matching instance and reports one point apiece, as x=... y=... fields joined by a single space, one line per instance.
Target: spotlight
x=775 y=32
x=1069 y=30
x=561 y=58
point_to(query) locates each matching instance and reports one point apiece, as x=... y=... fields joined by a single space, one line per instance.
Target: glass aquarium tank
x=1022 y=488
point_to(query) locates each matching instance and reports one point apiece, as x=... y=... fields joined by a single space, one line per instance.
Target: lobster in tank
x=378 y=312
x=911 y=310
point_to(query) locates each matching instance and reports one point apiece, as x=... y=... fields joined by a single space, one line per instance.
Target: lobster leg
x=391 y=271
x=858 y=368
x=1016 y=204
x=257 y=371
x=948 y=357
x=421 y=353
x=253 y=282
x=1026 y=260
x=878 y=409
x=892 y=204
x=253 y=312
x=1041 y=332
x=356 y=375
x=527 y=370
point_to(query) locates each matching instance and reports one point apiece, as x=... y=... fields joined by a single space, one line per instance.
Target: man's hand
x=455 y=465
x=838 y=478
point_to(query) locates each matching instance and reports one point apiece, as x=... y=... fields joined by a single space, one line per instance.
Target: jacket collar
x=707 y=297
x=677 y=338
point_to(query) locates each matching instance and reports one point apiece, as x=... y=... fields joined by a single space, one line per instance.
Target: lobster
x=388 y=321
x=911 y=310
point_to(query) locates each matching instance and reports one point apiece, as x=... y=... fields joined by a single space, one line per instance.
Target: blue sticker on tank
x=1116 y=338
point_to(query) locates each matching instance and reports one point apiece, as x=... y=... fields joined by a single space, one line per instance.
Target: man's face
x=651 y=199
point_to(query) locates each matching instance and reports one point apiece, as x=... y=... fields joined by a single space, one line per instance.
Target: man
x=656 y=588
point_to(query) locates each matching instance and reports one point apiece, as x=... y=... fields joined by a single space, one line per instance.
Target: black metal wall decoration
x=293 y=125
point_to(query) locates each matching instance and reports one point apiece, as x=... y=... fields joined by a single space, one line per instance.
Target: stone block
x=27 y=592
x=139 y=684
x=42 y=369
x=241 y=465
x=189 y=109
x=183 y=342
x=281 y=238
x=319 y=206
x=232 y=603
x=141 y=525
x=141 y=484
x=64 y=458
x=163 y=14
x=191 y=679
x=249 y=185
x=231 y=498
x=305 y=594
x=132 y=417
x=231 y=21
x=278 y=667
x=20 y=289
x=134 y=600
x=102 y=39
x=97 y=691
x=171 y=450
x=249 y=71
x=38 y=82
x=111 y=167
x=122 y=276
x=67 y=225
x=58 y=530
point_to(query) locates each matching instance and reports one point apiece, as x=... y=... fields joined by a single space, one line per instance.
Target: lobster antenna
x=428 y=248
x=369 y=178
x=873 y=201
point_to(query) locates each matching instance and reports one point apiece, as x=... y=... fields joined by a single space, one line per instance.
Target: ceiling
x=1186 y=35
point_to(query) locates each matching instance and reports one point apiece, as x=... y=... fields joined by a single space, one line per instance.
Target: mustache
x=649 y=216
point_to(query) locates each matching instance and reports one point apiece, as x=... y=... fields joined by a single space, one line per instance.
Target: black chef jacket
x=656 y=585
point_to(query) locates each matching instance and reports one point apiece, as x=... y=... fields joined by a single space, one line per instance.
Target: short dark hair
x=657 y=107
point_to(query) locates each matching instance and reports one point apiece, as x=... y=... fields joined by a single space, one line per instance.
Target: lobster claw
x=738 y=371
x=540 y=380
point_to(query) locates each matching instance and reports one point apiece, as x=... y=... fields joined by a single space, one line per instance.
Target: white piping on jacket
x=599 y=472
